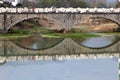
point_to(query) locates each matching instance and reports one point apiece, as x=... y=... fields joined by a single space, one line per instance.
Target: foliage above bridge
x=70 y=3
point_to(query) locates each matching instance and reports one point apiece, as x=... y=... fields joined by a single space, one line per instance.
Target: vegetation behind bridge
x=70 y=3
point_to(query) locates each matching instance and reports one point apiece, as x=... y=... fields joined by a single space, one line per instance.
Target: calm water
x=83 y=69
x=99 y=42
x=38 y=58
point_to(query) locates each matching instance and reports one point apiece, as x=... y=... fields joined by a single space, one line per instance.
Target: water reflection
x=37 y=42
x=99 y=42
x=58 y=48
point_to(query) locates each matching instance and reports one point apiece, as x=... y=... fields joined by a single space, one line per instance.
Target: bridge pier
x=67 y=28
x=4 y=24
x=67 y=21
x=3 y=19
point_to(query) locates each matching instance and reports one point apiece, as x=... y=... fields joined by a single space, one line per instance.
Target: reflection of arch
x=56 y=42
x=60 y=40
x=66 y=47
x=117 y=40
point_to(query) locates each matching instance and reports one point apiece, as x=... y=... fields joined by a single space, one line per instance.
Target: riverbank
x=71 y=35
x=51 y=35
x=44 y=32
x=13 y=36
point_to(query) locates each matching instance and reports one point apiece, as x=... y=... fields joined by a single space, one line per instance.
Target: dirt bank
x=98 y=25
x=86 y=24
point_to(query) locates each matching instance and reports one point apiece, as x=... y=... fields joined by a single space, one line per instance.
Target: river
x=40 y=58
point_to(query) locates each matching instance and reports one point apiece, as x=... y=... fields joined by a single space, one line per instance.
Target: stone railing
x=60 y=10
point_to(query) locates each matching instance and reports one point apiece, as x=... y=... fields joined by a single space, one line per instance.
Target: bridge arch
x=114 y=18
x=20 y=20
x=27 y=17
x=110 y=19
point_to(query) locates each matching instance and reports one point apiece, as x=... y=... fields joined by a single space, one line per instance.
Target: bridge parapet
x=60 y=10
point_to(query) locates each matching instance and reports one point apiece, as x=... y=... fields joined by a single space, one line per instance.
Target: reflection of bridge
x=66 y=47
x=65 y=19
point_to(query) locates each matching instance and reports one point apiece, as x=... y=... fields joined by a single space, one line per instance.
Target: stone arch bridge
x=66 y=20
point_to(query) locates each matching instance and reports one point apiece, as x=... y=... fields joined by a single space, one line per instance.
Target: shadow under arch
x=107 y=18
x=78 y=42
x=18 y=21
x=100 y=17
x=33 y=17
x=45 y=43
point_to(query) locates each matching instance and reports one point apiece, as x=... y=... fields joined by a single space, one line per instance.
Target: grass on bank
x=70 y=35
x=110 y=33
x=51 y=35
x=47 y=33
x=13 y=36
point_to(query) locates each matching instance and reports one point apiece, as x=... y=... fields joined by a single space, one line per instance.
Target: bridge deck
x=58 y=13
